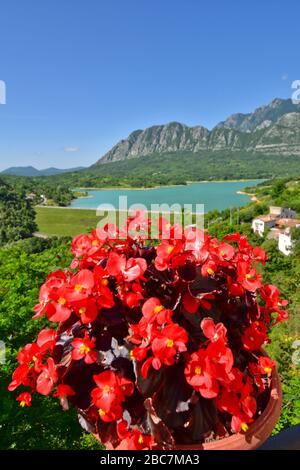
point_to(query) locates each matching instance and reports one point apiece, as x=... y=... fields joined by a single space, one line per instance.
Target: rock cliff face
x=159 y=139
x=263 y=116
x=274 y=128
x=283 y=137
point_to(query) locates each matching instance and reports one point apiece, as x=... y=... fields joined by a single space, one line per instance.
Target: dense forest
x=179 y=168
x=17 y=217
x=41 y=189
x=23 y=267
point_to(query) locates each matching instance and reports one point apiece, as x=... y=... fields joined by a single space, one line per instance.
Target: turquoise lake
x=214 y=195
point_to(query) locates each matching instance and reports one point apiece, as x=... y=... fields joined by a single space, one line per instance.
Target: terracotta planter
x=258 y=432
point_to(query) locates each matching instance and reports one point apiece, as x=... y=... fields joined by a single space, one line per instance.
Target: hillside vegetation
x=180 y=168
x=17 y=217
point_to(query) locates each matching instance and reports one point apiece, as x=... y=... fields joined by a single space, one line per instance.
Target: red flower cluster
x=133 y=439
x=111 y=391
x=156 y=333
x=210 y=367
x=161 y=329
x=35 y=369
x=83 y=293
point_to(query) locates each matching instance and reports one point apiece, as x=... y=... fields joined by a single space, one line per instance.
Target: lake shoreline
x=217 y=195
x=143 y=188
x=252 y=197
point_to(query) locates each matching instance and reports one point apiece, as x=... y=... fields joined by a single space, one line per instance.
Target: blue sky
x=80 y=75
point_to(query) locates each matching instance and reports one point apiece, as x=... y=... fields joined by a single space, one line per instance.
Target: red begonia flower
x=213 y=331
x=81 y=245
x=153 y=310
x=253 y=338
x=248 y=277
x=209 y=268
x=46 y=339
x=47 y=378
x=108 y=383
x=198 y=377
x=259 y=255
x=86 y=309
x=132 y=269
x=24 y=399
x=136 y=440
x=225 y=251
x=266 y=365
x=109 y=409
x=19 y=377
x=170 y=340
x=83 y=348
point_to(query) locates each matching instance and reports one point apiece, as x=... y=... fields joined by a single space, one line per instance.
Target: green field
x=65 y=222
x=70 y=222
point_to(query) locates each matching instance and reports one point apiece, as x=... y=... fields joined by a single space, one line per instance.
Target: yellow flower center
x=158 y=309
x=106 y=389
x=82 y=310
x=210 y=271
x=34 y=358
x=268 y=370
x=101 y=412
x=61 y=301
x=22 y=403
x=95 y=243
x=249 y=276
x=170 y=249
x=169 y=343
x=84 y=349
x=244 y=427
x=131 y=355
x=141 y=439
x=104 y=282
x=222 y=253
x=78 y=287
x=198 y=370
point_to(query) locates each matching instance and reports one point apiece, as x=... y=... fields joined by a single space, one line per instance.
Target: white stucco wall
x=285 y=243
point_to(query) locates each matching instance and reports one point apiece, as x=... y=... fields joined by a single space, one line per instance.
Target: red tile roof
x=287 y=222
x=266 y=218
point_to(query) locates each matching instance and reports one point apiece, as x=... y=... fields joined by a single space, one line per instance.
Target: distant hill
x=270 y=129
x=31 y=171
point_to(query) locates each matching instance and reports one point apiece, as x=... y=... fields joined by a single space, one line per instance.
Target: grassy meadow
x=65 y=222
x=61 y=221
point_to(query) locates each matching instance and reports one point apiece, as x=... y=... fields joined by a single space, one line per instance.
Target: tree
x=17 y=217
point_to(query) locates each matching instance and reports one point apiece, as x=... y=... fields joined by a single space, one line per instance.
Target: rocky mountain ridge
x=271 y=129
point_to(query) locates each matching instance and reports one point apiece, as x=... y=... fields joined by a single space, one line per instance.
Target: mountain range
x=31 y=171
x=270 y=129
